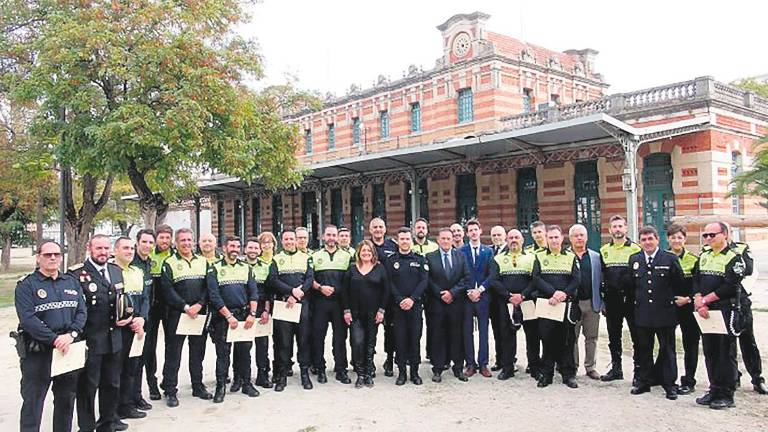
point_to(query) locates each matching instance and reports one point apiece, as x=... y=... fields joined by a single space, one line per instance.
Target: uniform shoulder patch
x=75 y=267
x=23 y=277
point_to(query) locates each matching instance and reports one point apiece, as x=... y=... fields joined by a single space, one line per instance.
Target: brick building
x=508 y=132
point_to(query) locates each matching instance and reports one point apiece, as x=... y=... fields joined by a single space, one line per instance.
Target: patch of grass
x=8 y=283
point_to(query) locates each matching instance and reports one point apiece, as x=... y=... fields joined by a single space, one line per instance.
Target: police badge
x=396 y=265
x=636 y=265
x=41 y=293
x=124 y=306
x=92 y=287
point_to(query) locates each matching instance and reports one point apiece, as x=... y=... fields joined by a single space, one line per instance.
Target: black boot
x=249 y=389
x=236 y=385
x=388 y=366
x=614 y=374
x=154 y=391
x=262 y=379
x=221 y=390
x=305 y=381
x=402 y=376
x=343 y=377
x=280 y=382
x=322 y=378
x=199 y=391
x=415 y=378
x=360 y=381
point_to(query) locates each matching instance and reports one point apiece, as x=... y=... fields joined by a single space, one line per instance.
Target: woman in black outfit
x=364 y=298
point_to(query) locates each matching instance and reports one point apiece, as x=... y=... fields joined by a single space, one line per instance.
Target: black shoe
x=671 y=394
x=221 y=390
x=280 y=382
x=570 y=382
x=154 y=392
x=612 y=375
x=685 y=389
x=343 y=377
x=313 y=370
x=543 y=382
x=388 y=367
x=322 y=378
x=262 y=379
x=505 y=374
x=131 y=413
x=705 y=400
x=760 y=387
x=415 y=378
x=640 y=390
x=460 y=375
x=369 y=381
x=495 y=368
x=306 y=383
x=289 y=373
x=719 y=404
x=360 y=382
x=237 y=384
x=201 y=392
x=402 y=377
x=528 y=370
x=171 y=400
x=436 y=377
x=249 y=389
x=119 y=426
x=143 y=405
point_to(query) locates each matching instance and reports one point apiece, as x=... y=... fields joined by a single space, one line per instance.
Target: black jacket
x=655 y=288
x=457 y=281
x=407 y=276
x=101 y=334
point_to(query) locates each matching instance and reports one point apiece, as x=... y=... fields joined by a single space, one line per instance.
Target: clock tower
x=463 y=36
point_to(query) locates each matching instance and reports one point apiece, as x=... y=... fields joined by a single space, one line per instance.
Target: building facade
x=508 y=132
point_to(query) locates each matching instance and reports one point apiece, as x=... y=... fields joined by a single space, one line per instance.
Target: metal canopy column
x=630 y=143
x=321 y=212
x=415 y=196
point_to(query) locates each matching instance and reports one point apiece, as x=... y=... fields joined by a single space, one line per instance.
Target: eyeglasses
x=711 y=235
x=51 y=255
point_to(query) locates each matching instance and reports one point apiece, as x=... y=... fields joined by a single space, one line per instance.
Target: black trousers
x=447 y=333
x=428 y=318
x=558 y=339
x=496 y=316
x=691 y=337
x=262 y=353
x=389 y=329
x=362 y=334
x=617 y=309
x=157 y=316
x=720 y=359
x=324 y=311
x=101 y=373
x=664 y=372
x=533 y=345
x=173 y=346
x=408 y=327
x=35 y=381
x=507 y=337
x=750 y=355
x=242 y=351
x=130 y=376
x=284 y=334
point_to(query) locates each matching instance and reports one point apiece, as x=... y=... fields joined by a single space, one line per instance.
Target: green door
x=658 y=197
x=357 y=215
x=466 y=198
x=587 y=202
x=527 y=201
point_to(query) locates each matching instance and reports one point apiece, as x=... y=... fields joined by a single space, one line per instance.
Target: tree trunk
x=152 y=206
x=79 y=222
x=5 y=258
x=39 y=216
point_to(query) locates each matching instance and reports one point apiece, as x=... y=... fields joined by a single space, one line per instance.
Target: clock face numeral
x=461 y=44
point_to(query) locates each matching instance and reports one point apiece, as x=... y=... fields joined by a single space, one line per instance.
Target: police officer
x=676 y=234
x=207 y=248
x=345 y=241
x=145 y=242
x=290 y=278
x=157 y=309
x=657 y=279
x=302 y=240
x=385 y=247
x=408 y=281
x=234 y=295
x=539 y=234
x=102 y=283
x=137 y=285
x=618 y=293
x=716 y=284
x=52 y=313
x=557 y=277
x=329 y=264
x=258 y=252
x=185 y=280
x=422 y=245
x=512 y=283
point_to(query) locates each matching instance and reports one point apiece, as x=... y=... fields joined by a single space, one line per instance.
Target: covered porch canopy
x=580 y=132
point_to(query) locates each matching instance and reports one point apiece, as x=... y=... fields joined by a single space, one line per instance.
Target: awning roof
x=544 y=137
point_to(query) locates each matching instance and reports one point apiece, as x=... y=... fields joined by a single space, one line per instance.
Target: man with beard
x=258 y=252
x=145 y=243
x=385 y=247
x=157 y=308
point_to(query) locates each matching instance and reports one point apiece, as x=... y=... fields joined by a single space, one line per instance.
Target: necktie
x=104 y=274
x=474 y=255
x=649 y=259
x=446 y=262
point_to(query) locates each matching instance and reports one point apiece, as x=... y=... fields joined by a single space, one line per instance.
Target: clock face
x=461 y=44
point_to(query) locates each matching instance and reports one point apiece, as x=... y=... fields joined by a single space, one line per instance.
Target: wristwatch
x=186 y=307
x=74 y=334
x=254 y=314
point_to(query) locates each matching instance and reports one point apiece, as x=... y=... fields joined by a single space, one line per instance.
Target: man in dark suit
x=498 y=247
x=449 y=278
x=102 y=284
x=478 y=256
x=657 y=279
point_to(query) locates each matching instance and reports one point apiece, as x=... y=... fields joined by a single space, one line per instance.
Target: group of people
x=125 y=292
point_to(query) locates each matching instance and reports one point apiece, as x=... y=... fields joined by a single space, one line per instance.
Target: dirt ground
x=481 y=404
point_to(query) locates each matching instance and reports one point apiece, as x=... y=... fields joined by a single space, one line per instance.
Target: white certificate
x=715 y=324
x=282 y=312
x=263 y=329
x=190 y=326
x=137 y=346
x=528 y=307
x=74 y=359
x=547 y=311
x=241 y=334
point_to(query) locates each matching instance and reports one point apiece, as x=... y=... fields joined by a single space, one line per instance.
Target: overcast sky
x=331 y=44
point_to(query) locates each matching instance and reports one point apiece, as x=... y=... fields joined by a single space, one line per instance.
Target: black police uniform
x=47 y=307
x=146 y=266
x=656 y=283
x=235 y=288
x=157 y=316
x=329 y=269
x=184 y=283
x=138 y=285
x=557 y=272
x=689 y=328
x=408 y=279
x=288 y=271
x=383 y=251
x=260 y=269
x=104 y=339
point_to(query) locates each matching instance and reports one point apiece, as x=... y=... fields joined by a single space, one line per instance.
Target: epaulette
x=24 y=277
x=75 y=267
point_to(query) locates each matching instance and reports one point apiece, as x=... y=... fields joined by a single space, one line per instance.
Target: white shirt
x=99 y=269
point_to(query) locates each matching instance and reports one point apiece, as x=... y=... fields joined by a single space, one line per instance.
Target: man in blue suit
x=478 y=257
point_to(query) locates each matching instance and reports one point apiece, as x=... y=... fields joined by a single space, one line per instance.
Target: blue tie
x=446 y=262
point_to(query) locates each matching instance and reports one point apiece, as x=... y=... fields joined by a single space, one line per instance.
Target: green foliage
x=755 y=180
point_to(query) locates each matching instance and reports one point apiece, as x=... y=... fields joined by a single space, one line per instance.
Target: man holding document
x=716 y=284
x=234 y=295
x=51 y=311
x=290 y=278
x=184 y=282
